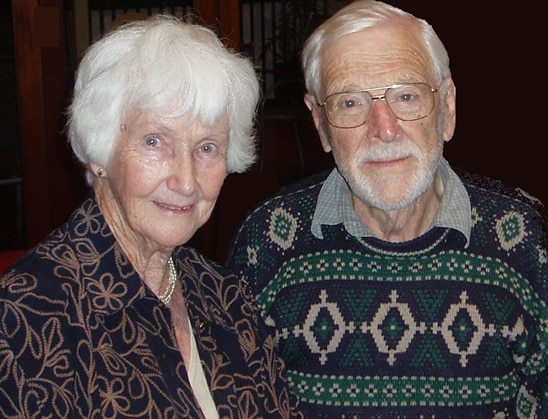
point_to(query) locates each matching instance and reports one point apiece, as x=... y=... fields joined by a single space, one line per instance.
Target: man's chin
x=386 y=198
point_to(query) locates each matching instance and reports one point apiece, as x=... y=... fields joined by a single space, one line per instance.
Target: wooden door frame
x=224 y=16
x=52 y=182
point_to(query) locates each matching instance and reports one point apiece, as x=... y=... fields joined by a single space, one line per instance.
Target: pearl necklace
x=168 y=293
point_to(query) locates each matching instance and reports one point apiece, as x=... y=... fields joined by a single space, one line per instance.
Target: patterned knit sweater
x=427 y=328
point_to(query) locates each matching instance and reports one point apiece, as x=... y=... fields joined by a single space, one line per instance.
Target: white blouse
x=198 y=382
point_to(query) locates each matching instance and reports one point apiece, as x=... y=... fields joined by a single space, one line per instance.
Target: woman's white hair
x=151 y=63
x=359 y=16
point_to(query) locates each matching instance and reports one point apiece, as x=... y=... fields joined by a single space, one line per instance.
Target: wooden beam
x=224 y=17
x=52 y=181
x=229 y=15
x=30 y=100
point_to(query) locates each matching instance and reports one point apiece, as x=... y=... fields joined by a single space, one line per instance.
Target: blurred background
x=495 y=56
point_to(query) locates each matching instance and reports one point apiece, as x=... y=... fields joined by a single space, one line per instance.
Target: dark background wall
x=495 y=52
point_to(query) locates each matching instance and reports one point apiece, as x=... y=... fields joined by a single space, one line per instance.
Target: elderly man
x=395 y=287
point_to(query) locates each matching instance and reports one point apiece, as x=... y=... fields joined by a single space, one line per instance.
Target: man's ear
x=311 y=104
x=449 y=111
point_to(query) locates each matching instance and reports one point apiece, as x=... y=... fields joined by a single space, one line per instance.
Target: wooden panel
x=30 y=99
x=224 y=17
x=229 y=15
x=52 y=183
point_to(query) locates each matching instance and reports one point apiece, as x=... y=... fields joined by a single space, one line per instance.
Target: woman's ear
x=97 y=170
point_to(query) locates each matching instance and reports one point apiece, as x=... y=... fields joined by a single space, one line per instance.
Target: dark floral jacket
x=81 y=335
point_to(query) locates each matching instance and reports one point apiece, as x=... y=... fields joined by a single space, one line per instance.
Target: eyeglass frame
x=377 y=97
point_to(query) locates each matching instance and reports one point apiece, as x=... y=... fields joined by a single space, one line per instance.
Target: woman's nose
x=182 y=176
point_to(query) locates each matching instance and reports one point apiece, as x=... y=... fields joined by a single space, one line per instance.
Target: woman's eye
x=208 y=148
x=152 y=141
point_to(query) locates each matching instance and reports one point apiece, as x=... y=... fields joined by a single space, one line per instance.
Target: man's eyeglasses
x=407 y=102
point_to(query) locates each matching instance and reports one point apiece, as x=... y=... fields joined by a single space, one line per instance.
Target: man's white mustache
x=388 y=153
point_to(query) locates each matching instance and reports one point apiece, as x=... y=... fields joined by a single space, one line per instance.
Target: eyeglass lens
x=407 y=102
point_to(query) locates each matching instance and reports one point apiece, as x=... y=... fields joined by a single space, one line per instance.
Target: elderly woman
x=110 y=316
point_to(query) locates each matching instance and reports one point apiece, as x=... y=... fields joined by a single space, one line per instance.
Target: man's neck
x=407 y=223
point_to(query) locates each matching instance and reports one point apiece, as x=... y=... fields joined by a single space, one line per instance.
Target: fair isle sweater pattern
x=425 y=328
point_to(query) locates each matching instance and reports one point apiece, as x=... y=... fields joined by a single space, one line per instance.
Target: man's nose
x=382 y=122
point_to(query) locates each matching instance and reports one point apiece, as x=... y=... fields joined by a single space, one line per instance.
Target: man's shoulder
x=307 y=184
x=292 y=206
x=489 y=193
x=495 y=186
x=301 y=195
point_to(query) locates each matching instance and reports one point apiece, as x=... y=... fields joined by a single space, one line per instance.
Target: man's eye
x=152 y=141
x=350 y=103
x=406 y=97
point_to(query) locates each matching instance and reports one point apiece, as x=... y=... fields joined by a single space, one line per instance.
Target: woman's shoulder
x=56 y=265
x=39 y=276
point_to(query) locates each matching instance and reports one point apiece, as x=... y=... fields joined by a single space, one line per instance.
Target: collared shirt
x=454 y=211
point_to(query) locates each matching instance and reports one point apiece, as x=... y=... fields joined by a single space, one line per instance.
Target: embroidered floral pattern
x=81 y=336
